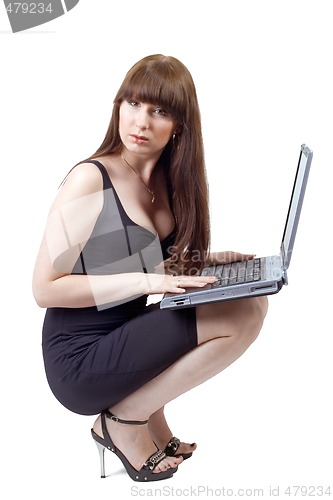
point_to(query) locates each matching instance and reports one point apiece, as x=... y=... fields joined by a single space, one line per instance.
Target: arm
x=69 y=224
x=52 y=290
x=71 y=220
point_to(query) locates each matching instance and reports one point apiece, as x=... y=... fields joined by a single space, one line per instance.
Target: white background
x=264 y=81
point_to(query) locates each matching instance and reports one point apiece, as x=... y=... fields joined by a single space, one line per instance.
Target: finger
x=195 y=282
x=205 y=279
x=250 y=256
x=244 y=256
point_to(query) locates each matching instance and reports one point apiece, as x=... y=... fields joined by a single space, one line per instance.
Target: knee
x=263 y=307
x=247 y=320
x=240 y=320
x=253 y=319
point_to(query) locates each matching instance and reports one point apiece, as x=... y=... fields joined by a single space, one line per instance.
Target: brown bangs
x=158 y=83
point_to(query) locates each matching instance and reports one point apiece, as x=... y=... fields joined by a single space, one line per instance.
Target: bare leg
x=225 y=331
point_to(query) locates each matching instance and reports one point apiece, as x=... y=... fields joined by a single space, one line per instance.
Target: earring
x=175 y=142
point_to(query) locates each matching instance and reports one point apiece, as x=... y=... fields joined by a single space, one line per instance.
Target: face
x=145 y=128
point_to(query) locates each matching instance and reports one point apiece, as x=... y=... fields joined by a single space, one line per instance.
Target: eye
x=161 y=112
x=133 y=102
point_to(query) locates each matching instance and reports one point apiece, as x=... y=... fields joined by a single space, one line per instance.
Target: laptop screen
x=295 y=205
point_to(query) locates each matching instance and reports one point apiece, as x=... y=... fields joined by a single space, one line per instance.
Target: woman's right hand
x=160 y=284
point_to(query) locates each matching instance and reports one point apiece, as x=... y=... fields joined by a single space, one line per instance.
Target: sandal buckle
x=173 y=445
x=155 y=459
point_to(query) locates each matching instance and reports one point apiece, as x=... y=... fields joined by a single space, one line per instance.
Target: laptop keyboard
x=234 y=273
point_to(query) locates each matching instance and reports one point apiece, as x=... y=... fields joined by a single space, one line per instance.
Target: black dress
x=96 y=356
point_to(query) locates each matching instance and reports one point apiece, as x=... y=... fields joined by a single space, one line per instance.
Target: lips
x=138 y=139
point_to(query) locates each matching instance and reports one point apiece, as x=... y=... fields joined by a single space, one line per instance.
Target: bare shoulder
x=85 y=176
x=83 y=180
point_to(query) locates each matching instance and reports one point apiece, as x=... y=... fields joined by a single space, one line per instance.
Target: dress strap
x=106 y=178
x=107 y=184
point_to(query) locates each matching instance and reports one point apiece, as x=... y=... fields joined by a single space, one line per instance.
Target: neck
x=145 y=183
x=142 y=165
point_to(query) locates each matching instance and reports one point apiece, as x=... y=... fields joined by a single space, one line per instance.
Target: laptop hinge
x=284 y=263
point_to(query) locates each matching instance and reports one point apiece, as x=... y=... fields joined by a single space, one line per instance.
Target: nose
x=142 y=127
x=142 y=121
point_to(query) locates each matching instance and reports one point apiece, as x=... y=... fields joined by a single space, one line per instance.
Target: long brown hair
x=166 y=82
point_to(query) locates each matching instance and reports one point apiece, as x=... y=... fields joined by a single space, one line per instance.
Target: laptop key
x=234 y=273
x=208 y=271
x=226 y=271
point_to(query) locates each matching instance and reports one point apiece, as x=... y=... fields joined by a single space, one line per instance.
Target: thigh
x=230 y=318
x=150 y=340
x=125 y=359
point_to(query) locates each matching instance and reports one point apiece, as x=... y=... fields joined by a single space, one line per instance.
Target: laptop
x=260 y=276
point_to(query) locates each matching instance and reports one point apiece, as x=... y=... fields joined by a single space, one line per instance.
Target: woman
x=135 y=208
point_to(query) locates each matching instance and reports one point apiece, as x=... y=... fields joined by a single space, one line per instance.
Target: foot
x=135 y=442
x=184 y=449
x=161 y=434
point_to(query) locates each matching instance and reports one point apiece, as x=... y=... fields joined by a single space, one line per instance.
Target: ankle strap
x=110 y=415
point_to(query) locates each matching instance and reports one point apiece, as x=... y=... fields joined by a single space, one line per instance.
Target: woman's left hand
x=228 y=256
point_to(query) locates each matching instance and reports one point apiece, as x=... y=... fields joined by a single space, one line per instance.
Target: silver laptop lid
x=295 y=206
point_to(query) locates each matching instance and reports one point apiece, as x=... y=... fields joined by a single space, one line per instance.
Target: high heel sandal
x=146 y=472
x=172 y=447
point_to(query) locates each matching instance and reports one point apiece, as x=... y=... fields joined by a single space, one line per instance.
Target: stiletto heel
x=101 y=450
x=146 y=472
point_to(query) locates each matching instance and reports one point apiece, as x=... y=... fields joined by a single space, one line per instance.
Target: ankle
x=127 y=414
x=115 y=418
